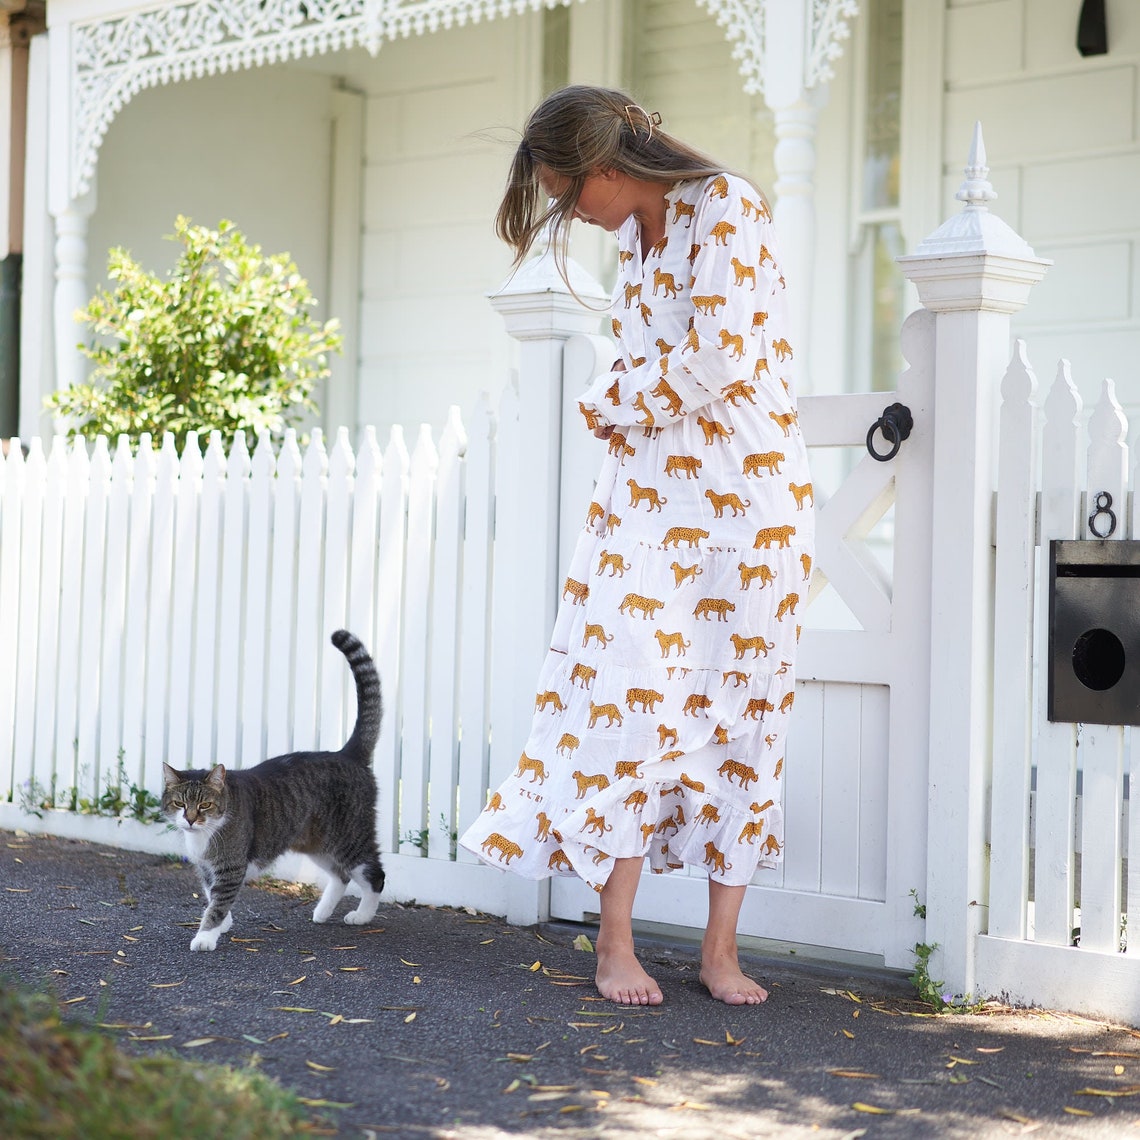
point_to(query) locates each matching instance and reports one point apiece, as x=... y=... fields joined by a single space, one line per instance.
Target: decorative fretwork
x=744 y=24
x=827 y=31
x=112 y=60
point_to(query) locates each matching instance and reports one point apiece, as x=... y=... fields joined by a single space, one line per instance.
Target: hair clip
x=651 y=120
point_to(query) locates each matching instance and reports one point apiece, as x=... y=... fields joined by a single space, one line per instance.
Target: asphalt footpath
x=435 y=1022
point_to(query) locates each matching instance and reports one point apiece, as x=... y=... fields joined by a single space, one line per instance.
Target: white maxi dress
x=662 y=708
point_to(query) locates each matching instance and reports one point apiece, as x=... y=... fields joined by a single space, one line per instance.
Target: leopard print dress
x=662 y=708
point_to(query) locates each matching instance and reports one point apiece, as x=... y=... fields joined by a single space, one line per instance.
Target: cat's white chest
x=196 y=844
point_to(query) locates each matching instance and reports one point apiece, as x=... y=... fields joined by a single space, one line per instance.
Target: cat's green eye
x=206 y=805
x=178 y=803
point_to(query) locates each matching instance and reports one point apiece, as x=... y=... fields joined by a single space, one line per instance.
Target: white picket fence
x=164 y=606
x=1062 y=827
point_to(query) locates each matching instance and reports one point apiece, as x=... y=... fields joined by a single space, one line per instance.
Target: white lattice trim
x=744 y=24
x=827 y=31
x=112 y=60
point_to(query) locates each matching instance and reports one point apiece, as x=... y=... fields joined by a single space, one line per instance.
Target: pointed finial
x=976 y=190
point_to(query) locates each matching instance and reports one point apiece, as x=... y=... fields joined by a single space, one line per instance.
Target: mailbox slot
x=1094 y=632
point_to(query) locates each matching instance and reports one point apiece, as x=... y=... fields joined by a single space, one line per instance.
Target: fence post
x=541 y=312
x=972 y=273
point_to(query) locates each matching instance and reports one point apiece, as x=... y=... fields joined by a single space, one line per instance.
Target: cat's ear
x=217 y=777
x=172 y=775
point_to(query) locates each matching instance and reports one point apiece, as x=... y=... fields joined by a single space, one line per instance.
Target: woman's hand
x=605 y=432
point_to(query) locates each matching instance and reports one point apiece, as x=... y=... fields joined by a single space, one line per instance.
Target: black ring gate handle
x=895 y=423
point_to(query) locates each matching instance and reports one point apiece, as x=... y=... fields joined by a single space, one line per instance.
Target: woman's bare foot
x=723 y=978
x=621 y=978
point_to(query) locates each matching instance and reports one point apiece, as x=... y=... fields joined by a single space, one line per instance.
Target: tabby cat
x=321 y=804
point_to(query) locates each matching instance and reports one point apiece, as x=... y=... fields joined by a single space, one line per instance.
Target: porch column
x=972 y=273
x=541 y=313
x=71 y=202
x=789 y=92
x=71 y=293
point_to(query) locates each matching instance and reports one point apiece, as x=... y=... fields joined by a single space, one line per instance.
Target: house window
x=877 y=294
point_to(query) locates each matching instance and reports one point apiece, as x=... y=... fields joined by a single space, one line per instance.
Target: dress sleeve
x=734 y=272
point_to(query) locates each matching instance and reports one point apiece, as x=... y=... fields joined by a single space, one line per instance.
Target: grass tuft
x=64 y=1081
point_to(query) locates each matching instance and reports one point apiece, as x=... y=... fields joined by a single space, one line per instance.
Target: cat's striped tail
x=369 y=704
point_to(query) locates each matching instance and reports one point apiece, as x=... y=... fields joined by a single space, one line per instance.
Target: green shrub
x=226 y=341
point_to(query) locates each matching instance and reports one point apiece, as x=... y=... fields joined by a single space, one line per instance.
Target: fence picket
x=31 y=525
x=282 y=604
x=211 y=498
x=91 y=623
x=363 y=552
x=114 y=611
x=50 y=582
x=1102 y=746
x=230 y=602
x=509 y=713
x=11 y=503
x=444 y=653
x=336 y=681
x=256 y=592
x=184 y=589
x=474 y=633
x=138 y=589
x=415 y=694
x=1013 y=648
x=309 y=650
x=1054 y=884
x=70 y=611
x=158 y=659
x=387 y=652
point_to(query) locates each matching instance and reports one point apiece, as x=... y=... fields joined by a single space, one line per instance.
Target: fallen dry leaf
x=854 y=1074
x=1131 y=1090
x=535 y=966
x=1005 y=1114
x=860 y=1106
x=849 y=1035
x=411 y=1017
x=198 y=1041
x=320 y=1103
x=320 y=1068
x=581 y=942
x=1078 y=1111
x=166 y=985
x=407 y=963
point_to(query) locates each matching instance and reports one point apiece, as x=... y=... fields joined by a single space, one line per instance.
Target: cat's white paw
x=355 y=918
x=321 y=915
x=206 y=939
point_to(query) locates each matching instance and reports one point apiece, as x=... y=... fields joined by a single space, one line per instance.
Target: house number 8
x=1103 y=504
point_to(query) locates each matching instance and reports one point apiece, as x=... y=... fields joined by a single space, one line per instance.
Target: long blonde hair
x=572 y=133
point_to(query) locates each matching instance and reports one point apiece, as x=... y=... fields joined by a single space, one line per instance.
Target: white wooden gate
x=855 y=773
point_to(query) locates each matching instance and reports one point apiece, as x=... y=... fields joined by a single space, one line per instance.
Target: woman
x=663 y=704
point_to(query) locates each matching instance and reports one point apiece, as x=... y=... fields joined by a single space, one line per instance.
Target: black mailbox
x=1094 y=632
